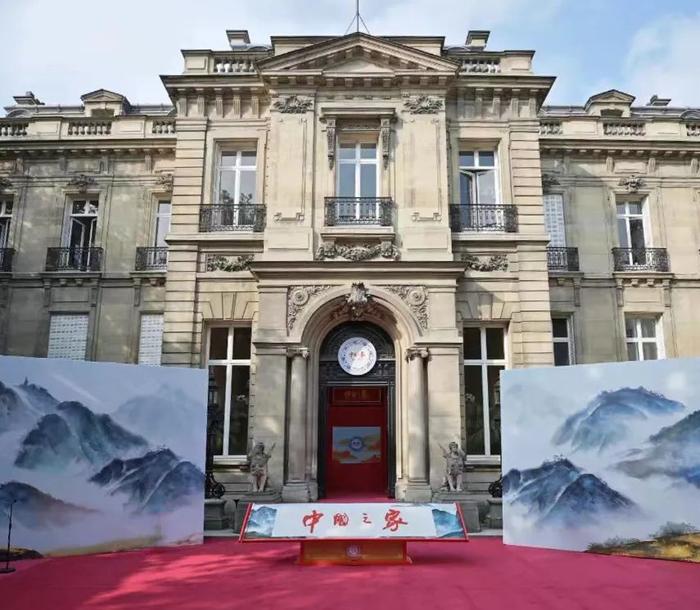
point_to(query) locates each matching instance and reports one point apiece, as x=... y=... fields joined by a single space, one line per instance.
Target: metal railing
x=640 y=259
x=483 y=218
x=229 y=217
x=74 y=259
x=6 y=256
x=342 y=211
x=151 y=259
x=562 y=259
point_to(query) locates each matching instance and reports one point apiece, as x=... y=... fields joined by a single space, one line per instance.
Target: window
x=484 y=359
x=357 y=177
x=554 y=220
x=162 y=224
x=562 y=337
x=236 y=177
x=5 y=220
x=229 y=387
x=82 y=224
x=631 y=230
x=68 y=336
x=477 y=177
x=643 y=338
x=151 y=339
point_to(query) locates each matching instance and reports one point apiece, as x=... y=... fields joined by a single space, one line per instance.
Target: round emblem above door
x=357 y=356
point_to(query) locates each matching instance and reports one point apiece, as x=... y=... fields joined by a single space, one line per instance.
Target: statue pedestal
x=254 y=497
x=296 y=492
x=494 y=519
x=469 y=506
x=215 y=517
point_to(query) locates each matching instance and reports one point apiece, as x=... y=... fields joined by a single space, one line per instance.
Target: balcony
x=74 y=259
x=484 y=218
x=364 y=211
x=151 y=259
x=562 y=259
x=640 y=259
x=6 y=256
x=228 y=217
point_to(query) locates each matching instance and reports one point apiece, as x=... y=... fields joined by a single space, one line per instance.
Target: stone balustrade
x=13 y=129
x=481 y=65
x=693 y=129
x=550 y=128
x=166 y=126
x=624 y=128
x=231 y=64
x=89 y=128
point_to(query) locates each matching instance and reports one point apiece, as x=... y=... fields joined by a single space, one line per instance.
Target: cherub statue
x=257 y=463
x=454 y=467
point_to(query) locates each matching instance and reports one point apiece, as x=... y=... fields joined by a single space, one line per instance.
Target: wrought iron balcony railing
x=6 y=256
x=640 y=259
x=229 y=217
x=74 y=259
x=341 y=211
x=562 y=259
x=151 y=259
x=484 y=218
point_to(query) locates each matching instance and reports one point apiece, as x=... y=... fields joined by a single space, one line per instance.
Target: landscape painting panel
x=604 y=458
x=100 y=456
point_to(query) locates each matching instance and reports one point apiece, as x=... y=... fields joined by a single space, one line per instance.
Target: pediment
x=103 y=95
x=612 y=96
x=357 y=53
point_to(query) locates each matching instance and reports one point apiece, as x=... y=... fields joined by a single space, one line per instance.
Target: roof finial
x=357 y=19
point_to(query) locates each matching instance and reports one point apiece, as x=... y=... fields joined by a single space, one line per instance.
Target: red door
x=356 y=441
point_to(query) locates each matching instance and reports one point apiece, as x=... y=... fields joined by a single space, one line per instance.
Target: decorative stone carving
x=293 y=104
x=497 y=262
x=81 y=182
x=548 y=181
x=257 y=465
x=229 y=263
x=385 y=134
x=358 y=252
x=165 y=182
x=423 y=104
x=5 y=183
x=417 y=352
x=297 y=298
x=416 y=297
x=293 y=352
x=632 y=183
x=454 y=467
x=330 y=139
x=357 y=300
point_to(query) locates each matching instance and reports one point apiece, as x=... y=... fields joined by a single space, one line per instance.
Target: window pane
x=635 y=207
x=494 y=382
x=347 y=151
x=228 y=159
x=637 y=233
x=215 y=408
x=474 y=410
x=621 y=209
x=368 y=151
x=632 y=351
x=238 y=420
x=631 y=327
x=622 y=233
x=248 y=158
x=241 y=343
x=227 y=186
x=486 y=158
x=346 y=180
x=218 y=342
x=648 y=327
x=487 y=187
x=466 y=189
x=247 y=188
x=368 y=180
x=8 y=207
x=650 y=351
x=494 y=343
x=560 y=327
x=466 y=159
x=561 y=354
x=472 y=343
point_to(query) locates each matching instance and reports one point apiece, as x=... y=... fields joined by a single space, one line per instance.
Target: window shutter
x=554 y=220
x=151 y=339
x=68 y=336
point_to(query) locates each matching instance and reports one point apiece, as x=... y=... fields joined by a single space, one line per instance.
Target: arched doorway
x=356 y=431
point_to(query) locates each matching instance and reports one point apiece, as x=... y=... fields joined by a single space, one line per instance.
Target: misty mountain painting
x=98 y=456
x=603 y=458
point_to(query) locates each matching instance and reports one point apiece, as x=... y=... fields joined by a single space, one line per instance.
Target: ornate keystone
x=548 y=181
x=5 y=183
x=423 y=104
x=632 y=183
x=165 y=182
x=81 y=182
x=293 y=105
x=357 y=300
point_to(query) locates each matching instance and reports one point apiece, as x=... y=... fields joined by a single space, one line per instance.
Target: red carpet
x=223 y=574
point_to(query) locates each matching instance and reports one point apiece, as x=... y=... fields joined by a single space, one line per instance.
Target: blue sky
x=61 y=50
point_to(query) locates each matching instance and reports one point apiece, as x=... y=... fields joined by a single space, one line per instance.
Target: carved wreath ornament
x=358 y=252
x=293 y=105
x=423 y=104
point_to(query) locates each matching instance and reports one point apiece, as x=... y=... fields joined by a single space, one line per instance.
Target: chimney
x=28 y=99
x=477 y=39
x=659 y=102
x=238 y=38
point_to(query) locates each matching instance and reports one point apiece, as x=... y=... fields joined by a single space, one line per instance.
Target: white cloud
x=663 y=59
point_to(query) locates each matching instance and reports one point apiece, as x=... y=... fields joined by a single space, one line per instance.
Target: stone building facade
x=412 y=207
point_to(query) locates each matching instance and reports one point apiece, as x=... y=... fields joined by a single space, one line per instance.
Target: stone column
x=418 y=487
x=296 y=488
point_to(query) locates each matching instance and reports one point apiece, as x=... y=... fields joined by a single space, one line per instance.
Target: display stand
x=353 y=552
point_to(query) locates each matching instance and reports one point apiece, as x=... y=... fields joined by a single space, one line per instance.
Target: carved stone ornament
x=357 y=300
x=423 y=104
x=454 y=467
x=385 y=133
x=81 y=182
x=165 y=182
x=293 y=104
x=497 y=262
x=416 y=297
x=229 y=263
x=358 y=252
x=257 y=466
x=632 y=183
x=330 y=138
x=297 y=299
x=548 y=181
x=5 y=183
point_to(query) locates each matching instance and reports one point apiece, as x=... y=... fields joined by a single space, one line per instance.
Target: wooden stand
x=353 y=552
